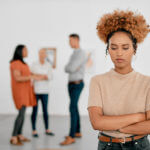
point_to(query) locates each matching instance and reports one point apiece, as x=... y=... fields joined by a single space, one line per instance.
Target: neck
x=125 y=70
x=42 y=61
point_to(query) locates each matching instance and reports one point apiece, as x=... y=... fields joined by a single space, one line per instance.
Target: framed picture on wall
x=50 y=56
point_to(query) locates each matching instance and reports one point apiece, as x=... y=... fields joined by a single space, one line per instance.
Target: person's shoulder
x=82 y=51
x=99 y=77
x=143 y=76
x=16 y=62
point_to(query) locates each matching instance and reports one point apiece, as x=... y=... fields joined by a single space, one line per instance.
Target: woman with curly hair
x=119 y=100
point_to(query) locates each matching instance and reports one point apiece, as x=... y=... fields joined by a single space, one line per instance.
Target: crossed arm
x=140 y=127
x=137 y=123
x=75 y=62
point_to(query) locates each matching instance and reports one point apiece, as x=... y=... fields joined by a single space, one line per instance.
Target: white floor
x=59 y=125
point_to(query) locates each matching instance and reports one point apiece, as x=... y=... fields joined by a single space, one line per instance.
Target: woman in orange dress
x=22 y=91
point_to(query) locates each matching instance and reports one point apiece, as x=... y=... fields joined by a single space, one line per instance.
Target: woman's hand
x=45 y=77
x=39 y=77
x=139 y=128
x=140 y=117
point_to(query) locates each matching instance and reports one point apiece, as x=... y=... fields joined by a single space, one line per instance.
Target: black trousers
x=140 y=144
x=44 y=101
x=19 y=122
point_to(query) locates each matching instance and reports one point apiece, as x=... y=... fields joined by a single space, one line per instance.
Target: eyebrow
x=117 y=45
x=125 y=45
x=113 y=44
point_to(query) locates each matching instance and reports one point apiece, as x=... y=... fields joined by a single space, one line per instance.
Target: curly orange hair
x=127 y=20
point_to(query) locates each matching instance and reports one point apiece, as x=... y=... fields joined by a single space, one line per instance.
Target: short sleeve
x=15 y=66
x=147 y=107
x=95 y=98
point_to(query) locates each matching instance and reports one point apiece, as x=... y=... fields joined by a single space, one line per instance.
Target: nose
x=119 y=52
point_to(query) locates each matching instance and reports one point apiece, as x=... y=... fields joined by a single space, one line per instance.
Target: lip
x=120 y=60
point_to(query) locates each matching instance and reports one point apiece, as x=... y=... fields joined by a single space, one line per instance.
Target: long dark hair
x=18 y=53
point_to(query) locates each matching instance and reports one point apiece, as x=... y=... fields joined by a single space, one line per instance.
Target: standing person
x=41 y=89
x=119 y=100
x=22 y=91
x=75 y=68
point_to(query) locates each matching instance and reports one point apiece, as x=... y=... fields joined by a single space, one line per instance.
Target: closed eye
x=125 y=48
x=113 y=48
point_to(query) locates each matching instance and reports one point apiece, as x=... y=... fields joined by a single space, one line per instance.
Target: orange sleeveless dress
x=22 y=92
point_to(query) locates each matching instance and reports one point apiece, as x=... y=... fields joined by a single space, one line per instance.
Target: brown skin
x=121 y=52
x=102 y=122
x=138 y=128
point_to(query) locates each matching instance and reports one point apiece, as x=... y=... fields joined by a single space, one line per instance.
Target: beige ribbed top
x=119 y=94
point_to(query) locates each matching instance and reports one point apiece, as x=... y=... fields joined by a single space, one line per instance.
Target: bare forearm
x=23 y=78
x=116 y=122
x=102 y=122
x=138 y=128
x=40 y=77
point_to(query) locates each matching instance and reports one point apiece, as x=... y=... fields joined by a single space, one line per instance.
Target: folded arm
x=103 y=122
x=75 y=63
x=139 y=128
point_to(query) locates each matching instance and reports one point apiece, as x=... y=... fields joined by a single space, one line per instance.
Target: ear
x=107 y=49
x=135 y=49
x=134 y=52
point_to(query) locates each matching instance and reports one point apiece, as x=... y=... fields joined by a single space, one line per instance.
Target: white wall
x=38 y=23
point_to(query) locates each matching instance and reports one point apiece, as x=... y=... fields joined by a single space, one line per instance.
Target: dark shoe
x=49 y=133
x=35 y=135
